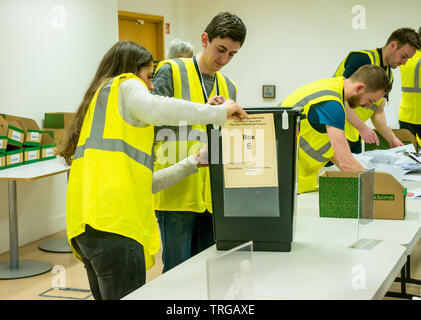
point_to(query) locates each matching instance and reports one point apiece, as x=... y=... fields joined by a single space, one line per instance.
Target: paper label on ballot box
x=249 y=152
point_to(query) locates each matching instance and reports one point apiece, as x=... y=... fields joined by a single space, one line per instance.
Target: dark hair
x=374 y=78
x=123 y=57
x=419 y=32
x=227 y=25
x=405 y=36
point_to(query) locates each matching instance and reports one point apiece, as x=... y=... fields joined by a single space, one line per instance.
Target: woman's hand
x=234 y=111
x=202 y=157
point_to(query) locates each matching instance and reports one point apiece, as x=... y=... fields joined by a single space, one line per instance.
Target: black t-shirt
x=357 y=59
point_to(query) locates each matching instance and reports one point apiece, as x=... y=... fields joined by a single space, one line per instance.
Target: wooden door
x=146 y=30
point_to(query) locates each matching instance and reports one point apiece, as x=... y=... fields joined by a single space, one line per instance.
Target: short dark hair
x=405 y=36
x=419 y=32
x=226 y=25
x=374 y=78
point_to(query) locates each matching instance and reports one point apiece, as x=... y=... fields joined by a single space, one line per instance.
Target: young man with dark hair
x=322 y=136
x=184 y=212
x=400 y=46
x=410 y=109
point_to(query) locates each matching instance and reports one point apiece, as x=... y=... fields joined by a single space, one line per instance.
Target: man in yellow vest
x=400 y=46
x=184 y=210
x=322 y=136
x=410 y=109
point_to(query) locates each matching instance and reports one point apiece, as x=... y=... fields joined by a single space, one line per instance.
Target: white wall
x=46 y=70
x=291 y=43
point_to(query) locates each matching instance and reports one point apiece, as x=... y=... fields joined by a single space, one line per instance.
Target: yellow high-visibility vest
x=110 y=182
x=314 y=149
x=177 y=143
x=410 y=109
x=364 y=114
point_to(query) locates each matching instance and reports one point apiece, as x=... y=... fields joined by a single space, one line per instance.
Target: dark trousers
x=183 y=234
x=414 y=128
x=356 y=147
x=115 y=264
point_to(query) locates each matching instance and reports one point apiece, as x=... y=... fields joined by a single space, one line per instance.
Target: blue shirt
x=325 y=113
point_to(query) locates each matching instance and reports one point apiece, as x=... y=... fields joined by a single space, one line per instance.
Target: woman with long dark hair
x=111 y=224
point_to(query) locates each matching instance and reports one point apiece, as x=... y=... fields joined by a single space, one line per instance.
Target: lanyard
x=205 y=94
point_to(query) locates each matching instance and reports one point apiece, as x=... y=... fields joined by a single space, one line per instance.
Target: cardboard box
x=14 y=158
x=15 y=133
x=403 y=135
x=57 y=120
x=2 y=161
x=338 y=196
x=3 y=134
x=48 y=147
x=32 y=130
x=31 y=154
x=57 y=135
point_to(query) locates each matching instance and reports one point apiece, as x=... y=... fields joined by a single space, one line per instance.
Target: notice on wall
x=249 y=152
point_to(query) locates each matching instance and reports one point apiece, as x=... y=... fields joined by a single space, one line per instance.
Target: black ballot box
x=253 y=179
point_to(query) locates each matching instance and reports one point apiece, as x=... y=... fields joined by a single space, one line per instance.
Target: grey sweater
x=139 y=108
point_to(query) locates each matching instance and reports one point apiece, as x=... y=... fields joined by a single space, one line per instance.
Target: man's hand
x=395 y=142
x=369 y=136
x=215 y=100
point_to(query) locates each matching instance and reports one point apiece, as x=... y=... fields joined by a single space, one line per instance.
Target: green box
x=33 y=133
x=338 y=196
x=15 y=136
x=3 y=144
x=14 y=158
x=2 y=161
x=48 y=151
x=31 y=155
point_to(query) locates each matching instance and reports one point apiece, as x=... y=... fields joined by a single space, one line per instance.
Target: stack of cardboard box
x=22 y=142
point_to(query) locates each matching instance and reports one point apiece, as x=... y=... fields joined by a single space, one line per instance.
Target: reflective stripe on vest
x=96 y=140
x=416 y=87
x=315 y=154
x=315 y=95
x=232 y=90
x=374 y=107
x=185 y=88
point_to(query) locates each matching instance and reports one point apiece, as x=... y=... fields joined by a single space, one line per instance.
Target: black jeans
x=356 y=147
x=115 y=264
x=414 y=128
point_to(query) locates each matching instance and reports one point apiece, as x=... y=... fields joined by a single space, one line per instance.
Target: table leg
x=58 y=245
x=24 y=268
x=408 y=273
x=13 y=226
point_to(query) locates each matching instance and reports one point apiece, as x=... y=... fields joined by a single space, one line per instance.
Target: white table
x=319 y=265
x=314 y=269
x=25 y=268
x=405 y=232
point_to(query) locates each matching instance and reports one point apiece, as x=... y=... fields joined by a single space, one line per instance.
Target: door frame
x=159 y=20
